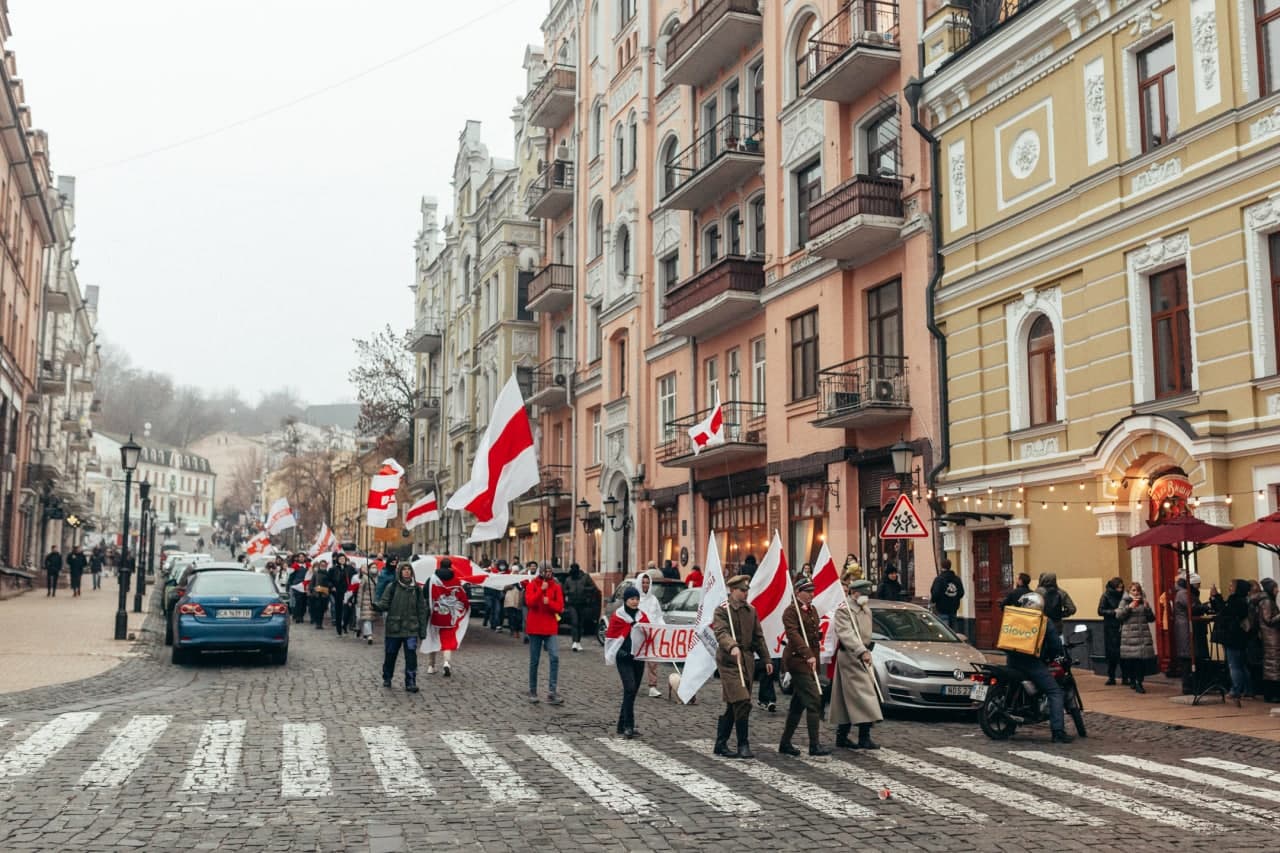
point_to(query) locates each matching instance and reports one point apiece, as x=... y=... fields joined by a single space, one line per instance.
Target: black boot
x=842 y=737
x=723 y=727
x=815 y=748
x=864 y=737
x=386 y=681
x=744 y=746
x=793 y=722
x=1061 y=736
x=411 y=680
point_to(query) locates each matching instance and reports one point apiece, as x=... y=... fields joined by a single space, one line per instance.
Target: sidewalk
x=60 y=639
x=1164 y=703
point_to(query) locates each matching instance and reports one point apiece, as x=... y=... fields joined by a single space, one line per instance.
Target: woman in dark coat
x=1134 y=617
x=1232 y=631
x=1269 y=627
x=1107 y=606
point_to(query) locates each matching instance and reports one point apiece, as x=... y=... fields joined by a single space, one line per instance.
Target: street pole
x=144 y=491
x=129 y=453
x=151 y=546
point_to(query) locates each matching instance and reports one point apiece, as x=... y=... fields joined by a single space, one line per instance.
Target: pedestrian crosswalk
x=90 y=753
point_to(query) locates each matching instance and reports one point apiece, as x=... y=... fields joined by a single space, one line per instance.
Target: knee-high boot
x=842 y=736
x=723 y=727
x=744 y=745
x=815 y=746
x=864 y=737
x=793 y=722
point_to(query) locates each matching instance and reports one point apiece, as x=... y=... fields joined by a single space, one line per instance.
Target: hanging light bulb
x=1000 y=503
x=1088 y=506
x=1020 y=490
x=1018 y=504
x=1228 y=500
x=990 y=490
x=1064 y=506
x=1044 y=504
x=1051 y=487
x=1082 y=485
x=1262 y=495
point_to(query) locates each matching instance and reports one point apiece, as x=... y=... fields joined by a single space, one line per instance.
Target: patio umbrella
x=1265 y=533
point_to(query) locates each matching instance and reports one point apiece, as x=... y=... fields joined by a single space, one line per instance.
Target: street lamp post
x=129 y=452
x=151 y=545
x=144 y=492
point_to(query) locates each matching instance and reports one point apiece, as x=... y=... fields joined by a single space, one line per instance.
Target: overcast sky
x=252 y=257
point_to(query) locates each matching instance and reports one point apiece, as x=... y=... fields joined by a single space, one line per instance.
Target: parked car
x=230 y=609
x=664 y=588
x=175 y=586
x=683 y=609
x=169 y=545
x=919 y=662
x=192 y=528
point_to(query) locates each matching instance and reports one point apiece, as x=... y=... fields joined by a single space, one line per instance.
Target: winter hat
x=630 y=592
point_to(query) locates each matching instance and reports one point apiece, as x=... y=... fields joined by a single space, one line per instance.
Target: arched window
x=597 y=129
x=623 y=255
x=757 y=226
x=1042 y=372
x=619 y=152
x=593 y=35
x=633 y=141
x=804 y=62
x=597 y=228
x=669 y=177
x=665 y=32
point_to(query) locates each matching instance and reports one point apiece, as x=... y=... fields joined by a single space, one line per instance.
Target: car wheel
x=168 y=632
x=280 y=657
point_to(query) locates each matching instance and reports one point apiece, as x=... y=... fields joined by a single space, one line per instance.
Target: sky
x=251 y=257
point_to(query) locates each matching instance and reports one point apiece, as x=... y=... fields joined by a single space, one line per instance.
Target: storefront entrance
x=992 y=577
x=1167 y=498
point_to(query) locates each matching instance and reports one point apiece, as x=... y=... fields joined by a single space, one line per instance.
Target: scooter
x=1009 y=700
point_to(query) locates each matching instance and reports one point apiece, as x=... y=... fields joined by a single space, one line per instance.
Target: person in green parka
x=407 y=612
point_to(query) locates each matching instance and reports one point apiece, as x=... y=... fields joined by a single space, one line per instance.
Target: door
x=1164 y=572
x=992 y=575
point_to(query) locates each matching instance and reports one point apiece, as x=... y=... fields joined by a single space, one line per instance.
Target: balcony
x=854 y=50
x=81 y=441
x=744 y=437
x=723 y=294
x=718 y=162
x=459 y=425
x=57 y=301
x=551 y=193
x=425 y=336
x=870 y=391
x=52 y=382
x=44 y=466
x=551 y=289
x=421 y=475
x=551 y=101
x=713 y=38
x=550 y=388
x=857 y=219
x=82 y=385
x=426 y=404
x=971 y=21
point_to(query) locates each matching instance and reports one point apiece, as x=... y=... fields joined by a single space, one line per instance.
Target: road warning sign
x=903 y=522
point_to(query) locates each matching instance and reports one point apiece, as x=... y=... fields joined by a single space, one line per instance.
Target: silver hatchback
x=919 y=662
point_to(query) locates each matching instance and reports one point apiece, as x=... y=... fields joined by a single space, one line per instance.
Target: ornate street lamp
x=584 y=514
x=144 y=492
x=611 y=513
x=129 y=453
x=902 y=454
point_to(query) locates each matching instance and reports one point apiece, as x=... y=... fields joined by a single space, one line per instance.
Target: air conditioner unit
x=887 y=38
x=561 y=379
x=752 y=436
x=884 y=391
x=844 y=400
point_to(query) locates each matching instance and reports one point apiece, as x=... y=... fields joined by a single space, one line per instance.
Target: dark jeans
x=632 y=673
x=318 y=606
x=51 y=586
x=1240 y=682
x=75 y=580
x=536 y=644
x=299 y=605
x=577 y=614
x=97 y=580
x=1038 y=674
x=1133 y=669
x=768 y=691
x=391 y=648
x=493 y=608
x=339 y=614
x=949 y=619
x=513 y=619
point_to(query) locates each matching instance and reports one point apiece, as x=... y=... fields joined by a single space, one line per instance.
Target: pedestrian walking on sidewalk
x=544 y=600
x=52 y=568
x=800 y=659
x=1269 y=627
x=945 y=595
x=854 y=696
x=296 y=584
x=1108 y=605
x=76 y=564
x=96 y=559
x=630 y=670
x=1134 y=617
x=737 y=629
x=407 y=614
x=578 y=588
x=368 y=598
x=1232 y=629
x=339 y=579
x=318 y=592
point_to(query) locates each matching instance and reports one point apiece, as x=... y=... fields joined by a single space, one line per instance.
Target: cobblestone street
x=234 y=754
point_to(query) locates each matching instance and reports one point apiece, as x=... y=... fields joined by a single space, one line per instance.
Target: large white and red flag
x=325 y=542
x=769 y=593
x=450 y=608
x=382 y=494
x=622 y=625
x=700 y=662
x=257 y=544
x=506 y=466
x=427 y=509
x=281 y=517
x=708 y=432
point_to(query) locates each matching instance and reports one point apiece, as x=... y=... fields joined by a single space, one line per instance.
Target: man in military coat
x=737 y=630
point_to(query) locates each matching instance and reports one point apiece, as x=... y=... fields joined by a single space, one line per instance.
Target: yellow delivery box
x=1022 y=630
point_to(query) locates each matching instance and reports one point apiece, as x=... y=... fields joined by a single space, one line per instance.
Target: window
x=881 y=140
x=522 y=295
x=711 y=244
x=1157 y=94
x=757 y=370
x=808 y=184
x=757 y=227
x=597 y=129
x=597 y=450
x=1170 y=332
x=733 y=233
x=731 y=93
x=755 y=75
x=597 y=228
x=664 y=39
x=666 y=407
x=710 y=113
x=670 y=271
x=562 y=342
x=741 y=522
x=619 y=152
x=595 y=332
x=620 y=354
x=734 y=356
x=806 y=62
x=624 y=252
x=1273 y=243
x=1042 y=372
x=884 y=320
x=626 y=11
x=667 y=166
x=668 y=533
x=804 y=355
x=632 y=142
x=712 y=371
x=1268 y=15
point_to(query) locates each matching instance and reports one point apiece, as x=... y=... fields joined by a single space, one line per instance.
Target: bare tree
x=384 y=382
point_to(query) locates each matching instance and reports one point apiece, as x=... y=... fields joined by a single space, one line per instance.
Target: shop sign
x=1171 y=487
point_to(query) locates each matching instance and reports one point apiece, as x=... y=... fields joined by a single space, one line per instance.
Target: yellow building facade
x=1110 y=243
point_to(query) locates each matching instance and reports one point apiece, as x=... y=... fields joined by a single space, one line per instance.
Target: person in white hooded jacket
x=652 y=608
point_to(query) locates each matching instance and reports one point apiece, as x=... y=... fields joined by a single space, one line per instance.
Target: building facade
x=1110 y=184
x=183 y=485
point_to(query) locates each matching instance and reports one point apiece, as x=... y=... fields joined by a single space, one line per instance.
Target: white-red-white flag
x=709 y=432
x=827 y=591
x=281 y=517
x=325 y=542
x=506 y=466
x=700 y=661
x=769 y=593
x=427 y=509
x=257 y=544
x=622 y=625
x=382 y=494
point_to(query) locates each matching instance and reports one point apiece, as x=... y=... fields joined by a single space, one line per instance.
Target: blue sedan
x=231 y=610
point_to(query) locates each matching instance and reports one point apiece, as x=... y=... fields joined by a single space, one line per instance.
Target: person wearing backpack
x=945 y=595
x=1057 y=601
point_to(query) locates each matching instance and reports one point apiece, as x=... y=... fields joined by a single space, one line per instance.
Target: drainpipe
x=912 y=92
x=693 y=398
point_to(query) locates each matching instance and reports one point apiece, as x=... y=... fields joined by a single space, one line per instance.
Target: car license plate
x=234 y=614
x=978 y=693
x=958 y=690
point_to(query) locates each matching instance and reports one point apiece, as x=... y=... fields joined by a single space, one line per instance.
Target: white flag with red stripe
x=325 y=542
x=257 y=544
x=708 y=432
x=506 y=466
x=281 y=517
x=700 y=662
x=427 y=509
x=623 y=625
x=382 y=494
x=769 y=593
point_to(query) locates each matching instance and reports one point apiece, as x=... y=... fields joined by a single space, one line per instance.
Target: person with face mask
x=407 y=614
x=1107 y=607
x=854 y=695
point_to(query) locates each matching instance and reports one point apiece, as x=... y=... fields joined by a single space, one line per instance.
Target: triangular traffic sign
x=903 y=522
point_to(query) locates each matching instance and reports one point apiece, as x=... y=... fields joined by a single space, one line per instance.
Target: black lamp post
x=144 y=492
x=617 y=525
x=151 y=545
x=129 y=452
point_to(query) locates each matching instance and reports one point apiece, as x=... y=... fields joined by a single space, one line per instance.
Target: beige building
x=1110 y=199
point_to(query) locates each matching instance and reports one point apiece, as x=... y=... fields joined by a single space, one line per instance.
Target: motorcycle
x=1010 y=700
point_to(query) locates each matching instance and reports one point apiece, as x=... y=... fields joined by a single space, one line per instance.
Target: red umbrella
x=1265 y=533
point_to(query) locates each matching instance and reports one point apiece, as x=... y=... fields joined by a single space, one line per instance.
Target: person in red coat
x=693 y=580
x=544 y=599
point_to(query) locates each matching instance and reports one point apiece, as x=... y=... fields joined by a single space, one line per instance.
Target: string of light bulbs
x=997 y=500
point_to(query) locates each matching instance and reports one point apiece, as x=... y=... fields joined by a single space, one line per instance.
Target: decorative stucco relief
x=1157 y=174
x=1039 y=447
x=624 y=92
x=1268 y=125
x=1024 y=154
x=802 y=131
x=1204 y=46
x=1018 y=68
x=958 y=192
x=1158 y=252
x=1095 y=110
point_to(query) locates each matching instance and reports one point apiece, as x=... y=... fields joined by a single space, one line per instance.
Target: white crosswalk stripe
x=395 y=763
x=1206 y=779
x=595 y=781
x=304 y=765
x=1110 y=799
x=30 y=755
x=876 y=781
x=495 y=775
x=701 y=787
x=126 y=753
x=1236 y=767
x=1002 y=794
x=216 y=764
x=1237 y=810
x=814 y=796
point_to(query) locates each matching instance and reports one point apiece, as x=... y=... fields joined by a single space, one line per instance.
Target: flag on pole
x=281 y=517
x=427 y=509
x=769 y=593
x=700 y=662
x=382 y=494
x=505 y=467
x=325 y=542
x=709 y=432
x=827 y=591
x=257 y=544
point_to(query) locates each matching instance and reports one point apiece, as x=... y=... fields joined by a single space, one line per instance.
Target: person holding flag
x=800 y=620
x=855 y=695
x=618 y=650
x=738 y=635
x=450 y=612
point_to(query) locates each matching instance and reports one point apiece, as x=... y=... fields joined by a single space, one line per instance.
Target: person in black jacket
x=1011 y=597
x=890 y=588
x=630 y=670
x=1107 y=605
x=946 y=593
x=1233 y=630
x=340 y=576
x=52 y=568
x=76 y=562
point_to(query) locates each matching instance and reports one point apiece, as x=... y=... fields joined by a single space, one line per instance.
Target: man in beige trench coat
x=854 y=700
